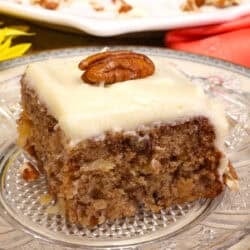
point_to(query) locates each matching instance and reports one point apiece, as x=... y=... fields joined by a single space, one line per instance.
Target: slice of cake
x=128 y=131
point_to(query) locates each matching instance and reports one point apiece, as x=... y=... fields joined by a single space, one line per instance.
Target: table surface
x=48 y=39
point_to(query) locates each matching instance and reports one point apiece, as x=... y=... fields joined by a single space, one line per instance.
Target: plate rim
x=172 y=54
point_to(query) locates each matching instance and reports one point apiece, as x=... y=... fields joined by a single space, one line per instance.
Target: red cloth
x=229 y=41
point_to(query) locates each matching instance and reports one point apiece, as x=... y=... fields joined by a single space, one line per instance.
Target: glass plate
x=209 y=223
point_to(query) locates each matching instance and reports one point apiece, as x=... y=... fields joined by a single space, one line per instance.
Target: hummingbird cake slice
x=119 y=131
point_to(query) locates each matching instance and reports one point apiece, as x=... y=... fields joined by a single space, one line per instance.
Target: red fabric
x=229 y=41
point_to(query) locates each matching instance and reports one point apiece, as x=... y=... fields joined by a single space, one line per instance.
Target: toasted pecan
x=47 y=4
x=124 y=7
x=115 y=66
x=192 y=5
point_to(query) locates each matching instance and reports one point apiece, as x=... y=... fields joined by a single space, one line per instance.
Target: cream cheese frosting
x=86 y=111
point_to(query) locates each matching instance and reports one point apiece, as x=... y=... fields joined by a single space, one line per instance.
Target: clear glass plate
x=209 y=223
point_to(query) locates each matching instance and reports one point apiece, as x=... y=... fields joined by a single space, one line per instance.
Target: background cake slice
x=109 y=149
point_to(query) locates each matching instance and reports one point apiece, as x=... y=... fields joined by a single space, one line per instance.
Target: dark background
x=47 y=37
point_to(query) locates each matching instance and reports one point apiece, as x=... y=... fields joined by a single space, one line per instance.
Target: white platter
x=147 y=15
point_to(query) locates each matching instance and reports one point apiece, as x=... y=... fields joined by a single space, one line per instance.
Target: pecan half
x=115 y=66
x=47 y=4
x=124 y=7
x=192 y=5
x=96 y=6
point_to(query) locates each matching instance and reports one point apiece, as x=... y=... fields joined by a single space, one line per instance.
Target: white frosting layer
x=85 y=111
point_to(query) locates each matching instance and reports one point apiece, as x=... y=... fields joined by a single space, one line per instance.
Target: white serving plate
x=147 y=15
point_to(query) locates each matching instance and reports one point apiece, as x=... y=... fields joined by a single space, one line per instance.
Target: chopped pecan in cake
x=29 y=172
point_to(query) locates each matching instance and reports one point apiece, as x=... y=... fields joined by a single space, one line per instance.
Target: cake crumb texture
x=155 y=166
